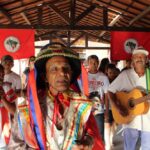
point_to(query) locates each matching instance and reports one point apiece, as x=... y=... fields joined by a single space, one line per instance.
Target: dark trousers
x=100 y=123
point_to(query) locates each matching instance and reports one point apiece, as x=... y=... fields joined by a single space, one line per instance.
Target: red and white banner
x=123 y=43
x=19 y=43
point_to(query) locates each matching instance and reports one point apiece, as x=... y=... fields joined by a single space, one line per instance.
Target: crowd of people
x=57 y=115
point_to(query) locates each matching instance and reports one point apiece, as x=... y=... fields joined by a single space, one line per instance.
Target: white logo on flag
x=12 y=44
x=130 y=45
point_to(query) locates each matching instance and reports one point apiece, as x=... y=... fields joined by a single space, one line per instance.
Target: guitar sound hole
x=131 y=104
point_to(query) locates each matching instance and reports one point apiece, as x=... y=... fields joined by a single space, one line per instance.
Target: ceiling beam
x=77 y=38
x=16 y=6
x=98 y=6
x=6 y=14
x=58 y=12
x=40 y=13
x=46 y=34
x=28 y=21
x=83 y=47
x=55 y=36
x=72 y=11
x=146 y=11
x=85 y=13
x=112 y=23
x=112 y=5
x=77 y=27
x=95 y=36
x=60 y=38
x=105 y=16
x=25 y=18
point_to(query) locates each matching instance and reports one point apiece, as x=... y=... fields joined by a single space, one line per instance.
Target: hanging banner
x=19 y=43
x=84 y=78
x=123 y=43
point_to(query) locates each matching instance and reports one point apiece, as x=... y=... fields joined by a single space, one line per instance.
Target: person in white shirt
x=129 y=79
x=7 y=107
x=98 y=83
x=10 y=76
x=110 y=124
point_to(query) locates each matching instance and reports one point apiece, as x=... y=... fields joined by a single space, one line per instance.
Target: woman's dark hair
x=111 y=66
x=103 y=64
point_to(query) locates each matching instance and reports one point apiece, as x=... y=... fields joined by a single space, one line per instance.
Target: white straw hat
x=140 y=50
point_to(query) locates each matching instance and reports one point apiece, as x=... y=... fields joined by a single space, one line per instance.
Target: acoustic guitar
x=134 y=101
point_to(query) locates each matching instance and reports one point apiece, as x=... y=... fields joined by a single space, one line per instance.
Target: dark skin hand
x=85 y=144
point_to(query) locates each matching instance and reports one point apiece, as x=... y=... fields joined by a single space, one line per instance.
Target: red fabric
x=38 y=113
x=10 y=95
x=58 y=109
x=75 y=87
x=26 y=39
x=120 y=47
x=5 y=124
x=85 y=80
x=92 y=130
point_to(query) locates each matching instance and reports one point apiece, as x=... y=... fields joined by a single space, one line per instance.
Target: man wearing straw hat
x=137 y=77
x=60 y=118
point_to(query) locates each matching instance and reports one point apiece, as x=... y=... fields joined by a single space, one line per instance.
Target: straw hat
x=51 y=50
x=140 y=50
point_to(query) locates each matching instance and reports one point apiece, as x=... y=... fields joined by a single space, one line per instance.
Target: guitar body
x=138 y=109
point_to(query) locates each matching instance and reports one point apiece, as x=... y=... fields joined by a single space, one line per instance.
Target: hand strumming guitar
x=123 y=110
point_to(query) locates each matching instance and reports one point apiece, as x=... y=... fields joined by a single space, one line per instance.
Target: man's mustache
x=139 y=61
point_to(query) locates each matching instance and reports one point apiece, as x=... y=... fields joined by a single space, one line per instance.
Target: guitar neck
x=142 y=99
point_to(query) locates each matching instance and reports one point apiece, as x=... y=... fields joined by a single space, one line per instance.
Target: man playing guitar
x=127 y=81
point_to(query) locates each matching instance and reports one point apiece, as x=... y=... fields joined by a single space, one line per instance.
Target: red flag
x=19 y=43
x=123 y=43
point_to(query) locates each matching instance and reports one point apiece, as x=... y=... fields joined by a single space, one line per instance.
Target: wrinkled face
x=93 y=65
x=7 y=64
x=58 y=74
x=139 y=60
